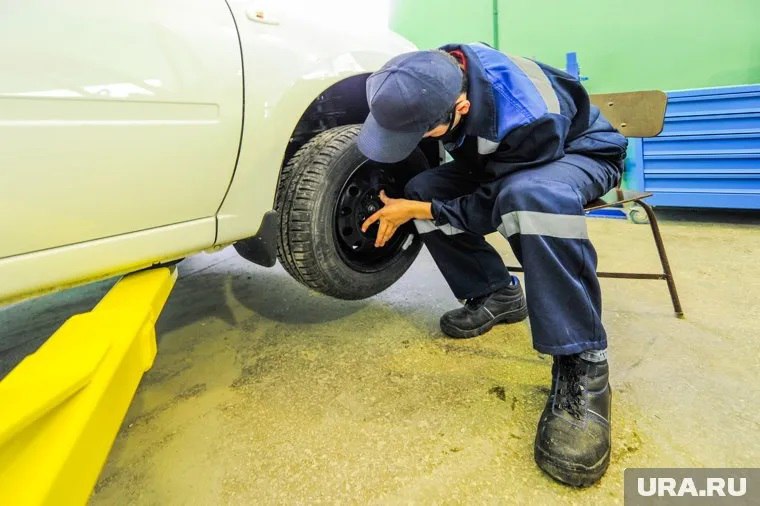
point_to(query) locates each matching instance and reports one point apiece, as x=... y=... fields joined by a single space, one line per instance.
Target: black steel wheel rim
x=357 y=200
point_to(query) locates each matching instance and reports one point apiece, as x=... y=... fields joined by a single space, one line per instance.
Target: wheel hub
x=358 y=200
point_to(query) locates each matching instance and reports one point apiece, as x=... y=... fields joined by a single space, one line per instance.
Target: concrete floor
x=263 y=392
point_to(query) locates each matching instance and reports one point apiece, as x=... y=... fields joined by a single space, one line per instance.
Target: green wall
x=621 y=45
x=432 y=23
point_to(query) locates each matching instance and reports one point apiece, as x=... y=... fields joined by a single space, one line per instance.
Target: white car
x=135 y=133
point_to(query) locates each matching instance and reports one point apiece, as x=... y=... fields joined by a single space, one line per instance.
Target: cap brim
x=386 y=146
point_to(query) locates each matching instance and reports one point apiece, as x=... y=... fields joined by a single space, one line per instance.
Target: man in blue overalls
x=529 y=151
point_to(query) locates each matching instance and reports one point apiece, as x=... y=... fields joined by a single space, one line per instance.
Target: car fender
x=286 y=67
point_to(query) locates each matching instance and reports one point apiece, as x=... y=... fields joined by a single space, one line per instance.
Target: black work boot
x=573 y=437
x=480 y=314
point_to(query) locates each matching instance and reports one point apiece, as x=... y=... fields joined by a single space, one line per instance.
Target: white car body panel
x=288 y=65
x=93 y=260
x=120 y=126
x=130 y=123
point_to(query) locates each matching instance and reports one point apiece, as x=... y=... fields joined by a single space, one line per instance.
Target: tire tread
x=299 y=183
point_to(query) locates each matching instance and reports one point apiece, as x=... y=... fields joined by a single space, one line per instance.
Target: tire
x=326 y=191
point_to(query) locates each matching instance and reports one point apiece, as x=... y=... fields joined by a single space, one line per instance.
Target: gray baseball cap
x=409 y=96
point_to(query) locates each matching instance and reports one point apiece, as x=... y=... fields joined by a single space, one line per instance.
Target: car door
x=115 y=116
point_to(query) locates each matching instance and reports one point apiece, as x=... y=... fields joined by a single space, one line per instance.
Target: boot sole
x=514 y=316
x=571 y=474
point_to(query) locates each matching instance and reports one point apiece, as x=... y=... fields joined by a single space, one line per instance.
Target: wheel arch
x=342 y=103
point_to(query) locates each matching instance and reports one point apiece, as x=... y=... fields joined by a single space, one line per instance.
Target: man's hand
x=395 y=213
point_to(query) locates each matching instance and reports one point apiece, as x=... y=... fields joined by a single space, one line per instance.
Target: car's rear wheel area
x=326 y=191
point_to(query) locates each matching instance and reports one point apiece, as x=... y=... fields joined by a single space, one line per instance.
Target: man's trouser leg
x=469 y=264
x=540 y=211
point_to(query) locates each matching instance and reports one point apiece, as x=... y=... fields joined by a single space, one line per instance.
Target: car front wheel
x=326 y=191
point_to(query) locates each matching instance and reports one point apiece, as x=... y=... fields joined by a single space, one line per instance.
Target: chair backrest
x=634 y=113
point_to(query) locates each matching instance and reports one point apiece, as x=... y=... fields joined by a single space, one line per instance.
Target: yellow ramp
x=61 y=407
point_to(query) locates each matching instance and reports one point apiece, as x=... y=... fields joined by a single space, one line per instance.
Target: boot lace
x=569 y=396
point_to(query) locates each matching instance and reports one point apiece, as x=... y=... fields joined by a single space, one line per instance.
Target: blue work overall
x=531 y=153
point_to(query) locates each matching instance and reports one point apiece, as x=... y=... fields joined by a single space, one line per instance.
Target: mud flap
x=261 y=249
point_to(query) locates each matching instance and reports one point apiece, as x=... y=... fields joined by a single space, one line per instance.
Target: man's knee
x=417 y=188
x=523 y=194
x=538 y=195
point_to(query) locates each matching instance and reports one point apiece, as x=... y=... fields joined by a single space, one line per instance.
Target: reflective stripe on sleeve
x=425 y=226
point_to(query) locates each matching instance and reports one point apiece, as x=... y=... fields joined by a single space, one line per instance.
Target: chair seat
x=616 y=197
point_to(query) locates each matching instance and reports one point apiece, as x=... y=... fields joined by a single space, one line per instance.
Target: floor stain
x=500 y=393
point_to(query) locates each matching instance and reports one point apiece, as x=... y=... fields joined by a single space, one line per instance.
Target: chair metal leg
x=663 y=257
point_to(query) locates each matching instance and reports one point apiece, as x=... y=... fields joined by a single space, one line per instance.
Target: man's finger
x=383 y=197
x=380 y=233
x=379 y=241
x=389 y=231
x=369 y=221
